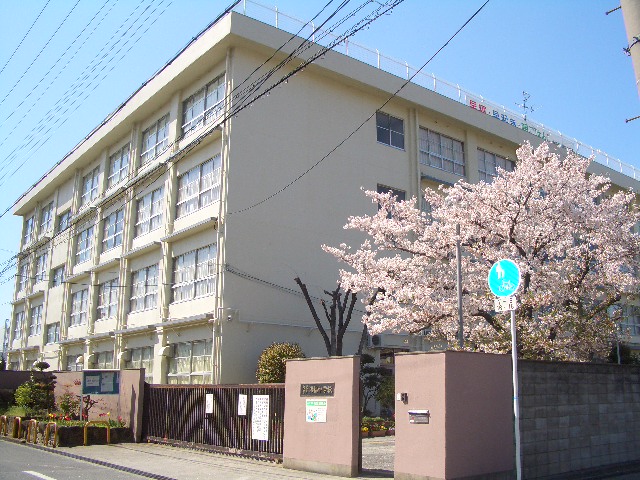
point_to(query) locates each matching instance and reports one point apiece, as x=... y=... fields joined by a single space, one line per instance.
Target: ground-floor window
x=104 y=360
x=191 y=363
x=72 y=363
x=142 y=358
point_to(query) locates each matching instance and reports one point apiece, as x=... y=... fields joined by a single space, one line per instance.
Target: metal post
x=459 y=287
x=516 y=404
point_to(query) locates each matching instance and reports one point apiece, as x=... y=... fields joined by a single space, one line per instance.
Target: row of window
x=201 y=108
x=190 y=362
x=193 y=277
x=439 y=151
x=197 y=188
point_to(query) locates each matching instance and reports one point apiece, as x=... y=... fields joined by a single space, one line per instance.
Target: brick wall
x=576 y=416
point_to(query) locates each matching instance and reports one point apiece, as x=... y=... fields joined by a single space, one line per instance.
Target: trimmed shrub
x=272 y=365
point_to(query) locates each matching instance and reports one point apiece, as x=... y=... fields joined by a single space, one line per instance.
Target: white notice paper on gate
x=260 y=417
x=242 y=404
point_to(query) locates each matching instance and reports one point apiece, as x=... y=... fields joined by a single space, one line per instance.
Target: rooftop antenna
x=526 y=108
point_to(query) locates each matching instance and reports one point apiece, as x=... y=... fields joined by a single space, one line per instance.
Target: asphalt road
x=19 y=462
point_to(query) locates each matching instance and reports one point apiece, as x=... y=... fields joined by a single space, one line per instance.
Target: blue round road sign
x=504 y=278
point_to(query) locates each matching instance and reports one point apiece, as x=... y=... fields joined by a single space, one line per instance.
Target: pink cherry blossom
x=573 y=235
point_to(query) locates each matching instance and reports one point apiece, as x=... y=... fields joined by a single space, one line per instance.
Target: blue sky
x=567 y=54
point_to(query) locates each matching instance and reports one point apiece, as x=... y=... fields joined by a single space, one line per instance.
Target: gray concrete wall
x=578 y=416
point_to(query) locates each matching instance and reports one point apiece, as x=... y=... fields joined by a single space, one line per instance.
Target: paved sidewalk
x=165 y=462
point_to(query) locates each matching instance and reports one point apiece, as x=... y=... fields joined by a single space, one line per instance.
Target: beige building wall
x=260 y=247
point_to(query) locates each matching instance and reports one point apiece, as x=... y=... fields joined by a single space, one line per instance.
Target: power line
x=357 y=129
x=40 y=52
x=23 y=38
x=178 y=155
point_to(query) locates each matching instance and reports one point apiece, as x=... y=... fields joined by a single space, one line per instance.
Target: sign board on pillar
x=504 y=278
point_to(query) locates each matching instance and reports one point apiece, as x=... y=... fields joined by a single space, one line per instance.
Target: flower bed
x=376 y=427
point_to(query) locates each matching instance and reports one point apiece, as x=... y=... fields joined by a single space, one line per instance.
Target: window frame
x=46 y=217
x=209 y=113
x=142 y=362
x=385 y=133
x=90 y=190
x=186 y=279
x=112 y=240
x=64 y=220
x=144 y=293
x=458 y=166
x=202 y=194
x=35 y=323
x=84 y=245
x=152 y=133
x=154 y=204
x=23 y=275
x=40 y=274
x=29 y=230
x=57 y=279
x=79 y=299
x=108 y=292
x=486 y=176
x=18 y=324
x=52 y=328
x=174 y=376
x=117 y=175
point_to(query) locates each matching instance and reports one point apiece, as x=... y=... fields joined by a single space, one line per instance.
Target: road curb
x=90 y=460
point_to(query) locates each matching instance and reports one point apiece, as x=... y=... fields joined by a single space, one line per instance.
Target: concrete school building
x=150 y=244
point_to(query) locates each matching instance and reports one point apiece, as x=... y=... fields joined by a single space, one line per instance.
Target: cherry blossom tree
x=572 y=234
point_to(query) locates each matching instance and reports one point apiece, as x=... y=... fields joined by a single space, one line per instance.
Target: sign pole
x=516 y=400
x=504 y=280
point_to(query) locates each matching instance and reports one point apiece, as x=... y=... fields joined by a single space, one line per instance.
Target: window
x=74 y=363
x=194 y=274
x=84 y=244
x=144 y=289
x=118 y=166
x=41 y=268
x=23 y=275
x=149 y=212
x=204 y=106
x=488 y=163
x=29 y=230
x=199 y=187
x=142 y=358
x=108 y=299
x=630 y=323
x=57 y=277
x=155 y=140
x=79 y=307
x=35 y=320
x=104 y=360
x=46 y=217
x=90 y=186
x=18 y=323
x=191 y=363
x=399 y=194
x=64 y=220
x=440 y=151
x=113 y=225
x=390 y=130
x=53 y=332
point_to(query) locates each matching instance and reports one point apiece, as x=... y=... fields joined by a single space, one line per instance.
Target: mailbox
x=419 y=416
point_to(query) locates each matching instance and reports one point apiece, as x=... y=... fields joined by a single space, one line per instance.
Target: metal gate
x=176 y=414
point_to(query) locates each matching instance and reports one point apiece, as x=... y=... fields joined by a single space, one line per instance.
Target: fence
x=177 y=414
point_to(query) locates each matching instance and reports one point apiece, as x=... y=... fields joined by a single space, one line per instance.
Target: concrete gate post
x=454 y=418
x=321 y=416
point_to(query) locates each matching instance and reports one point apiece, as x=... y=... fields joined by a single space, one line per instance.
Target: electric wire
x=16 y=109
x=362 y=24
x=40 y=52
x=47 y=125
x=23 y=38
x=359 y=127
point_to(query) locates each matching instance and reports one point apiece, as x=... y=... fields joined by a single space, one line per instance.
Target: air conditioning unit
x=375 y=341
